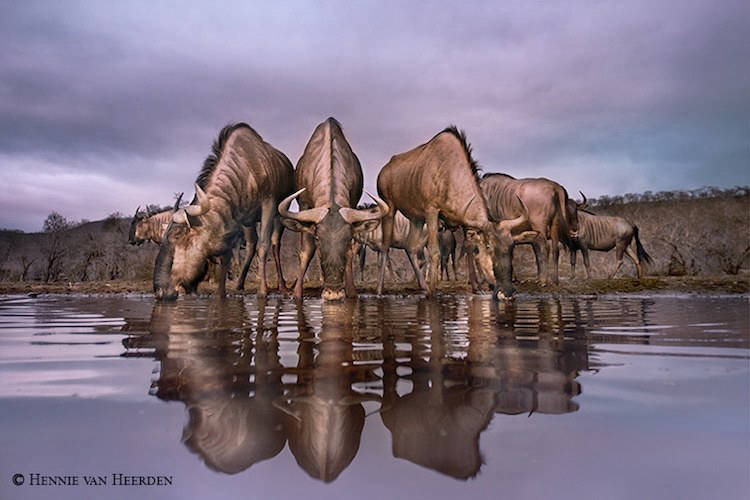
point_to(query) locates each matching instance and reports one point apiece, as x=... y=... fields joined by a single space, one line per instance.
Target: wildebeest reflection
x=324 y=416
x=206 y=363
x=438 y=424
x=455 y=394
x=536 y=375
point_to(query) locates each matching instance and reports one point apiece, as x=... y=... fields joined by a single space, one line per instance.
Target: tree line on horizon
x=699 y=232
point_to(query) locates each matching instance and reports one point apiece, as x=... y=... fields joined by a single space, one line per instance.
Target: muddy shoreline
x=700 y=285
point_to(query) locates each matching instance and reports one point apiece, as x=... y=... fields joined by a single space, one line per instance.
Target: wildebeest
x=150 y=227
x=439 y=180
x=548 y=211
x=240 y=184
x=329 y=179
x=603 y=233
x=373 y=240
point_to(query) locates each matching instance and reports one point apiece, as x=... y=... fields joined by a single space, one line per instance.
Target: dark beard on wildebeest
x=131 y=233
x=163 y=272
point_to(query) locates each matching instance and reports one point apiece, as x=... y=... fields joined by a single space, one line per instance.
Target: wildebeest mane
x=495 y=174
x=461 y=136
x=209 y=164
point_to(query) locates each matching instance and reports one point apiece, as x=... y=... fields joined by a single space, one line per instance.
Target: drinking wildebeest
x=549 y=214
x=329 y=179
x=439 y=180
x=150 y=227
x=240 y=184
x=603 y=233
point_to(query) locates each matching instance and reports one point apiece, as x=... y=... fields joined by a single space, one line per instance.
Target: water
x=402 y=397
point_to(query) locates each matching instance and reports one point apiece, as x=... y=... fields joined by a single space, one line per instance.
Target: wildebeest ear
x=365 y=226
x=298 y=226
x=525 y=237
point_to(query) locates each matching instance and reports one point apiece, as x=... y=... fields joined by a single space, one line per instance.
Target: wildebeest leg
x=306 y=253
x=471 y=271
x=387 y=224
x=444 y=266
x=251 y=240
x=620 y=250
x=224 y=261
x=413 y=246
x=351 y=291
x=278 y=231
x=362 y=254
x=453 y=263
x=586 y=263
x=536 y=247
x=542 y=253
x=433 y=246
x=573 y=264
x=424 y=264
x=266 y=228
x=634 y=259
x=555 y=254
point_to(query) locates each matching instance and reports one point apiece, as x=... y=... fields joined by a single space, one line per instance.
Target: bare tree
x=26 y=263
x=53 y=248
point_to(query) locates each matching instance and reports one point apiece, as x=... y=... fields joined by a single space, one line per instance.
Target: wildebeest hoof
x=332 y=295
x=501 y=296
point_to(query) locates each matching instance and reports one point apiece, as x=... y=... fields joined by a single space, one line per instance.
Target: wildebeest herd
x=246 y=187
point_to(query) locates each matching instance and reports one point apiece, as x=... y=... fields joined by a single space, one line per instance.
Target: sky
x=108 y=105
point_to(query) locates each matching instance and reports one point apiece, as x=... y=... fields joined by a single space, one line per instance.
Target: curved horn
x=181 y=217
x=203 y=206
x=584 y=203
x=136 y=211
x=353 y=215
x=177 y=203
x=310 y=216
x=513 y=224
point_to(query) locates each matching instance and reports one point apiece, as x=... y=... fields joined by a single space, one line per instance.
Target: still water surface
x=402 y=397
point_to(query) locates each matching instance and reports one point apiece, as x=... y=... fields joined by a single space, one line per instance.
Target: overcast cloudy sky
x=107 y=105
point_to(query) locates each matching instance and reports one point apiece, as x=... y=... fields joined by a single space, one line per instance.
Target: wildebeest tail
x=643 y=256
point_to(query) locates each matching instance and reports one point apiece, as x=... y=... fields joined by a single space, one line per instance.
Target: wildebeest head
x=491 y=247
x=333 y=228
x=139 y=225
x=186 y=245
x=135 y=235
x=572 y=208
